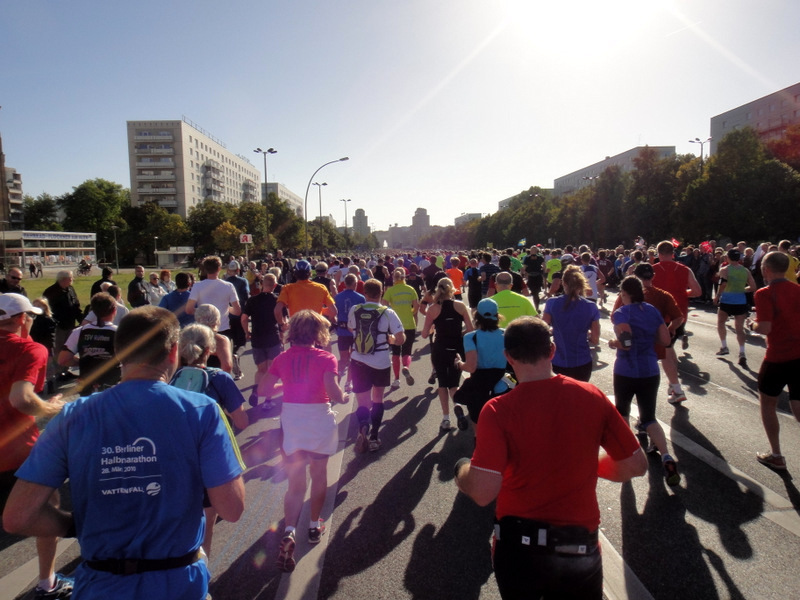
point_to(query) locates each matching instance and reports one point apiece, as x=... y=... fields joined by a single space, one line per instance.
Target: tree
x=787 y=148
x=41 y=213
x=94 y=206
x=203 y=220
x=226 y=238
x=251 y=217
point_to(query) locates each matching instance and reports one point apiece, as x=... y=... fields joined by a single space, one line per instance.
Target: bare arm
x=482 y=486
x=663 y=335
x=235 y=309
x=464 y=312
x=224 y=353
x=27 y=401
x=245 y=321
x=694 y=286
x=470 y=365
x=332 y=388
x=29 y=512
x=279 y=317
x=622 y=470
x=430 y=316
x=67 y=359
x=191 y=305
x=228 y=499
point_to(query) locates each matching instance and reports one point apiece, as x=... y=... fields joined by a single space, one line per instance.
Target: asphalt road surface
x=397 y=528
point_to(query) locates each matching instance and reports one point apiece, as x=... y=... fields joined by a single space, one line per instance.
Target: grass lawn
x=82 y=284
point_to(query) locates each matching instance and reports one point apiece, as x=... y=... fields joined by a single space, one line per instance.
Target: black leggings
x=646 y=391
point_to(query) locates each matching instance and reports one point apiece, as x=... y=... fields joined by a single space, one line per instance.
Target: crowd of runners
x=291 y=310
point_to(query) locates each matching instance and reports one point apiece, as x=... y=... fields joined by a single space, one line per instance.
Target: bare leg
x=722 y=318
x=769 y=418
x=293 y=501
x=656 y=434
x=670 y=364
x=319 y=485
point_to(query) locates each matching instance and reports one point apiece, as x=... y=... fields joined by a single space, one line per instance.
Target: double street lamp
x=266 y=191
x=346 y=239
x=308 y=187
x=697 y=140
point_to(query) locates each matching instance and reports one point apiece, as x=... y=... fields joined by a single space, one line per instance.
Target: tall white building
x=179 y=165
x=769 y=116
x=294 y=201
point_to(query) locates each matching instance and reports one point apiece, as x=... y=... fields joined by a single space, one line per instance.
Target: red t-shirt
x=673 y=277
x=544 y=438
x=777 y=304
x=20 y=360
x=302 y=370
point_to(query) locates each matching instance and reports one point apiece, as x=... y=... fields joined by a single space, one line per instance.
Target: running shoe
x=651 y=448
x=237 y=372
x=62 y=589
x=315 y=533
x=742 y=361
x=285 y=560
x=723 y=352
x=407 y=375
x=268 y=405
x=396 y=384
x=676 y=398
x=771 y=460
x=362 y=440
x=432 y=378
x=374 y=445
x=685 y=341
x=461 y=420
x=253 y=399
x=671 y=472
x=445 y=425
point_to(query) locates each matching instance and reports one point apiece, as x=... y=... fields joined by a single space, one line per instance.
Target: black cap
x=734 y=254
x=644 y=271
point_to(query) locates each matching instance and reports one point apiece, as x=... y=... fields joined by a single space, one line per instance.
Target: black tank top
x=448 y=325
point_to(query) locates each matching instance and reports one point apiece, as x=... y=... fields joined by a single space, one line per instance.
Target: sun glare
x=586 y=28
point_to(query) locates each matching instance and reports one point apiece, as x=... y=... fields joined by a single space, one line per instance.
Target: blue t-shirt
x=176 y=302
x=641 y=360
x=344 y=301
x=138 y=457
x=489 y=347
x=571 y=321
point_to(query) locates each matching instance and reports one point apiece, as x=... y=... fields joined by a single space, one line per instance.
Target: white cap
x=15 y=304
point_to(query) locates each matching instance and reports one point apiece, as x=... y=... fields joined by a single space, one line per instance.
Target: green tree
x=41 y=213
x=226 y=238
x=94 y=206
x=251 y=217
x=203 y=220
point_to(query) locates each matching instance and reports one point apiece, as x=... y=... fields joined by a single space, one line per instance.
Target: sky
x=447 y=105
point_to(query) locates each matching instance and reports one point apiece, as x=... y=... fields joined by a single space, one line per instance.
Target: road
x=397 y=528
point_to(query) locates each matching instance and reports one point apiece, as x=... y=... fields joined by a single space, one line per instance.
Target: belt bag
x=133 y=566
x=546 y=538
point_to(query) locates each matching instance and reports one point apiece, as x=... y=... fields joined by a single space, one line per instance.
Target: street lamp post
x=702 y=143
x=116 y=251
x=319 y=188
x=346 y=239
x=266 y=191
x=155 y=250
x=4 y=223
x=308 y=187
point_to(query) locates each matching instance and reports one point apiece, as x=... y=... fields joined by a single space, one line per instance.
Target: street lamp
x=308 y=187
x=116 y=251
x=702 y=143
x=346 y=239
x=4 y=223
x=155 y=250
x=319 y=188
x=266 y=191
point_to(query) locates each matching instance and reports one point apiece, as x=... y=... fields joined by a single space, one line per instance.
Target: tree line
x=747 y=190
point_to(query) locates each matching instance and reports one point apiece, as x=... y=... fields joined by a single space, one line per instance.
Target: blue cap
x=487 y=308
x=303 y=266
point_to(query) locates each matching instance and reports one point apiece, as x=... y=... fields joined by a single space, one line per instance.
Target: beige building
x=179 y=165
x=769 y=116
x=294 y=201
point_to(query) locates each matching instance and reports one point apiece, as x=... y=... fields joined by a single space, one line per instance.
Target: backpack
x=366 y=330
x=194 y=379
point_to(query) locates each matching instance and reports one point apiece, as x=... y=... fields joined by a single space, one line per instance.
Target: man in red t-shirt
x=541 y=464
x=23 y=365
x=776 y=318
x=678 y=280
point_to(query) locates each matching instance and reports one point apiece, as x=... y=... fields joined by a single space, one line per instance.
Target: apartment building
x=294 y=201
x=13 y=211
x=179 y=165
x=769 y=116
x=587 y=175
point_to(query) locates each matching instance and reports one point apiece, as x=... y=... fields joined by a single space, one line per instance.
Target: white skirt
x=310 y=427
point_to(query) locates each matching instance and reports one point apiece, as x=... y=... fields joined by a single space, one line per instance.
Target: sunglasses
x=13 y=277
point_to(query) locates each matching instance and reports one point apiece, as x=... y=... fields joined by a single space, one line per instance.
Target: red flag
x=675 y=242
x=706 y=247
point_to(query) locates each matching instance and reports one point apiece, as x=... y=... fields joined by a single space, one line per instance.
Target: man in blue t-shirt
x=176 y=300
x=138 y=457
x=344 y=301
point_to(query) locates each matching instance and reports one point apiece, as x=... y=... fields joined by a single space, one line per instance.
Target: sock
x=667 y=457
x=288 y=530
x=447 y=416
x=724 y=343
x=315 y=524
x=741 y=350
x=47 y=584
x=676 y=387
x=376 y=417
x=362 y=414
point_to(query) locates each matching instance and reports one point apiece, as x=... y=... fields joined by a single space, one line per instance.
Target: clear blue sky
x=450 y=105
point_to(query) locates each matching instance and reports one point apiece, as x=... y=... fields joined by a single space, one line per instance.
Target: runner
x=345 y=300
x=403 y=299
x=734 y=282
